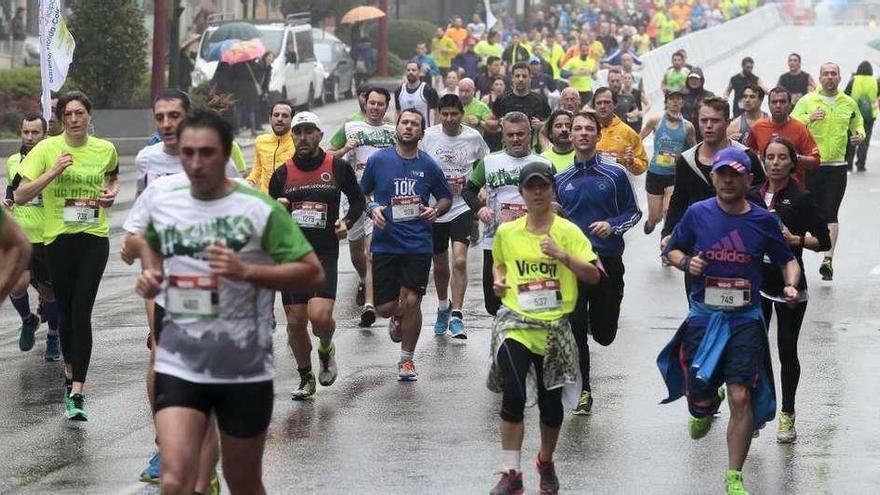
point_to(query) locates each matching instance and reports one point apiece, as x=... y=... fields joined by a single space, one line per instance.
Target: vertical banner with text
x=56 y=51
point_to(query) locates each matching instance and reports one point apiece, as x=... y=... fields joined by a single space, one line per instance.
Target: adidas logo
x=569 y=187
x=730 y=249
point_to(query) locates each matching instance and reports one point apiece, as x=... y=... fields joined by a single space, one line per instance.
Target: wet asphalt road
x=370 y=434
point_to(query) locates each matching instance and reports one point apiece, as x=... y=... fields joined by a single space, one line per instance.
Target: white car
x=297 y=75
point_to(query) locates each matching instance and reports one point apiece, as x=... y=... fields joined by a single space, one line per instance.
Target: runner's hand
x=429 y=213
x=697 y=265
x=486 y=215
x=628 y=155
x=7 y=203
x=791 y=295
x=818 y=114
x=499 y=287
x=341 y=229
x=855 y=140
x=224 y=262
x=149 y=283
x=127 y=256
x=663 y=242
x=64 y=161
x=601 y=229
x=107 y=198
x=351 y=143
x=551 y=249
x=378 y=216
x=536 y=123
x=285 y=203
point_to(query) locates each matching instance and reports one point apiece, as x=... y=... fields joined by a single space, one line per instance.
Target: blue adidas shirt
x=599 y=190
x=396 y=183
x=733 y=245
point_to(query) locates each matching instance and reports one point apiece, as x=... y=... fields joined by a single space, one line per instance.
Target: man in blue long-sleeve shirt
x=595 y=194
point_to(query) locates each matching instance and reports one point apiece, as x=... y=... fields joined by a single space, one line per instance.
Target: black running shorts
x=243 y=410
x=327 y=289
x=391 y=272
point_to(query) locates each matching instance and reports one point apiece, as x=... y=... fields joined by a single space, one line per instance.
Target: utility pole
x=383 y=40
x=157 y=80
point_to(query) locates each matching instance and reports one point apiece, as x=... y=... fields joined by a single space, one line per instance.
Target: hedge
x=404 y=35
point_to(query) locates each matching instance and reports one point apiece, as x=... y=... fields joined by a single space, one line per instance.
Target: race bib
x=192 y=297
x=81 y=212
x=512 y=211
x=539 y=295
x=310 y=214
x=456 y=184
x=727 y=293
x=405 y=208
x=666 y=159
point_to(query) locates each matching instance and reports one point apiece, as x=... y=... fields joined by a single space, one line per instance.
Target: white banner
x=490 y=17
x=56 y=51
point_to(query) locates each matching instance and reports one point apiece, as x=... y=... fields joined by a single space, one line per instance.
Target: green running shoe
x=786 y=432
x=733 y=480
x=75 y=408
x=585 y=404
x=214 y=485
x=699 y=427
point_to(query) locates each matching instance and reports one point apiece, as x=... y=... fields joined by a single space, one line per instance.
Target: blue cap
x=534 y=60
x=734 y=158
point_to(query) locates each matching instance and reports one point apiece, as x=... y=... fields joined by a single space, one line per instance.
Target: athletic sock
x=51 y=309
x=443 y=305
x=21 y=304
x=324 y=350
x=406 y=355
x=510 y=459
x=456 y=313
x=304 y=372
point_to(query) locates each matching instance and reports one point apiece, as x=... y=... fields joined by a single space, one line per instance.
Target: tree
x=111 y=49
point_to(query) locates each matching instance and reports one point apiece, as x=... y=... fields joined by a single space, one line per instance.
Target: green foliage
x=20 y=83
x=404 y=35
x=395 y=64
x=109 y=62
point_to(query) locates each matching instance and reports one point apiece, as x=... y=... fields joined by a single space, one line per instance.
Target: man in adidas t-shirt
x=455 y=148
x=499 y=174
x=721 y=242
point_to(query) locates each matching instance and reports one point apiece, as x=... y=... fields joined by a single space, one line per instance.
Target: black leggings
x=76 y=263
x=515 y=361
x=493 y=302
x=596 y=312
x=788 y=324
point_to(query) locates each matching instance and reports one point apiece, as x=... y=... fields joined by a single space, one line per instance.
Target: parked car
x=335 y=56
x=297 y=75
x=32 y=51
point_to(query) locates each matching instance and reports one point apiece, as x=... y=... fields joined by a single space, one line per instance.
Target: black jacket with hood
x=690 y=109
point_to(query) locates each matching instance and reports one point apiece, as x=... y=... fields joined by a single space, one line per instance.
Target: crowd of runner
x=544 y=184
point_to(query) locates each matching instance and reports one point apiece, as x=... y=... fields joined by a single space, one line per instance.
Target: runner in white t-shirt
x=455 y=148
x=359 y=139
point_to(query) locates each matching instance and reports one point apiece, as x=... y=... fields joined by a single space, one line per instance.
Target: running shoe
x=786 y=432
x=699 y=427
x=549 y=484
x=456 y=328
x=394 y=329
x=733 y=480
x=213 y=485
x=53 y=347
x=151 y=473
x=511 y=483
x=327 y=373
x=826 y=270
x=406 y=371
x=75 y=408
x=306 y=387
x=368 y=316
x=29 y=326
x=585 y=404
x=442 y=322
x=361 y=297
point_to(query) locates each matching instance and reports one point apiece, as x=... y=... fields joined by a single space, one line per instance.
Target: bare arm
x=690 y=134
x=649 y=126
x=811 y=83
x=15 y=255
x=29 y=189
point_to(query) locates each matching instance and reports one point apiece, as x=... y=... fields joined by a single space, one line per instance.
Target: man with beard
x=271 y=150
x=401 y=179
x=455 y=148
x=558 y=131
x=738 y=83
x=618 y=142
x=309 y=185
x=499 y=174
x=359 y=140
x=780 y=123
x=416 y=94
x=522 y=99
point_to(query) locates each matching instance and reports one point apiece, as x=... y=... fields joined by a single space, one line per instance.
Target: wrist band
x=685 y=263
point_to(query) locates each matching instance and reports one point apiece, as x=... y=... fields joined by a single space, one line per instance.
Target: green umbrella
x=235 y=30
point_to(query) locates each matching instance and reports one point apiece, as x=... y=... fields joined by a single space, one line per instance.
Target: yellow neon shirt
x=580 y=82
x=30 y=217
